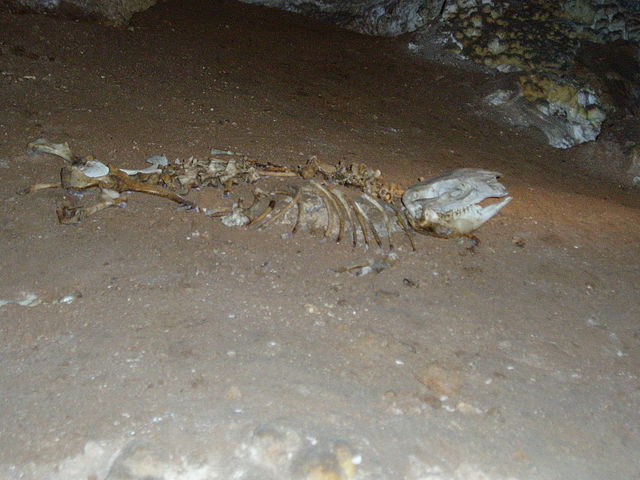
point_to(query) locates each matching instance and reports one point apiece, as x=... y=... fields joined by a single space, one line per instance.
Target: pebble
x=273 y=447
x=338 y=462
x=441 y=381
x=233 y=393
x=311 y=308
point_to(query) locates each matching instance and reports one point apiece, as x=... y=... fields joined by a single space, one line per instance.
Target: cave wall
x=606 y=20
x=371 y=17
x=558 y=89
x=115 y=12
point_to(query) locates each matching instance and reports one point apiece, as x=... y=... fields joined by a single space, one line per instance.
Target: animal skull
x=449 y=205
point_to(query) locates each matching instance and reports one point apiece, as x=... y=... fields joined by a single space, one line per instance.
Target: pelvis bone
x=79 y=174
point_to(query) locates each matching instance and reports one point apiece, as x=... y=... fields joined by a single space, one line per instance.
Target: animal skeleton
x=445 y=206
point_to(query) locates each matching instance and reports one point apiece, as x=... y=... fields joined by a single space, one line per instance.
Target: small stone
x=520 y=456
x=439 y=380
x=467 y=408
x=518 y=241
x=311 y=308
x=233 y=393
x=273 y=447
x=317 y=463
x=410 y=283
x=139 y=461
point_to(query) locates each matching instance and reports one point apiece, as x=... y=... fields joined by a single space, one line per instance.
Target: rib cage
x=338 y=213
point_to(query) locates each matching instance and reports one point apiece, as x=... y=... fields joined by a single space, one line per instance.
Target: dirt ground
x=159 y=344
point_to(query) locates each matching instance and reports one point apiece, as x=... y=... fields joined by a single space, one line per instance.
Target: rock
x=317 y=463
x=564 y=112
x=511 y=36
x=273 y=447
x=372 y=17
x=236 y=218
x=634 y=166
x=519 y=241
x=439 y=380
x=409 y=402
x=577 y=105
x=116 y=12
x=139 y=461
x=233 y=393
x=605 y=21
x=468 y=409
x=561 y=93
x=567 y=113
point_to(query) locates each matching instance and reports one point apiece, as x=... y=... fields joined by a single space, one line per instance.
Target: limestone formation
x=542 y=40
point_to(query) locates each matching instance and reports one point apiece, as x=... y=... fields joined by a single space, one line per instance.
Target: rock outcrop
x=371 y=17
x=556 y=92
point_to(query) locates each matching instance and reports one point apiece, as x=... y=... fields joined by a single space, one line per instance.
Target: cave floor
x=160 y=344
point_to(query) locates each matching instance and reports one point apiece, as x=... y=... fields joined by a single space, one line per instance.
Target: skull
x=449 y=205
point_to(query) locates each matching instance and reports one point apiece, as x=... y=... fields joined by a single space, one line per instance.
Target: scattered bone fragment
x=41 y=145
x=25 y=300
x=156 y=163
x=70 y=215
x=234 y=218
x=40 y=186
x=369 y=265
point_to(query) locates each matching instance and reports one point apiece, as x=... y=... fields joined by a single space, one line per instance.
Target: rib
x=361 y=221
x=283 y=210
x=265 y=212
x=327 y=203
x=405 y=227
x=345 y=205
x=218 y=212
x=300 y=213
x=374 y=231
x=334 y=204
x=257 y=195
x=387 y=224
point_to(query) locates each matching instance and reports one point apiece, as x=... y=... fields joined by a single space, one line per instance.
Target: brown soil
x=520 y=360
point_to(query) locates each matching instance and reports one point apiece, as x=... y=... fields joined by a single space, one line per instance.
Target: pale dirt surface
x=187 y=336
